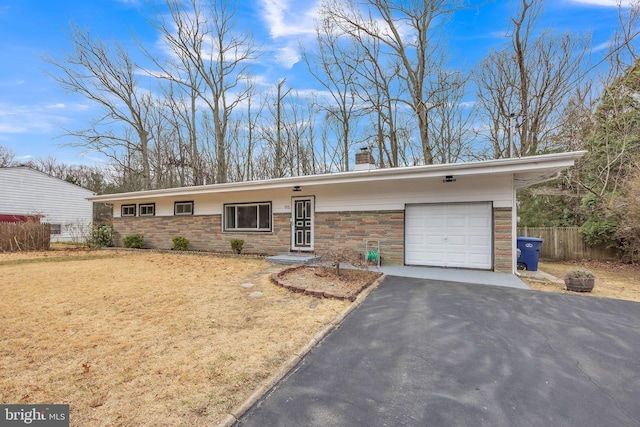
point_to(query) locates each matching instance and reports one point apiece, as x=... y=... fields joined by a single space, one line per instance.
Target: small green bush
x=133 y=241
x=101 y=236
x=180 y=243
x=236 y=245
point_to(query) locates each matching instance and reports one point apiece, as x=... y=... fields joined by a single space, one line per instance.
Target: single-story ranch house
x=447 y=215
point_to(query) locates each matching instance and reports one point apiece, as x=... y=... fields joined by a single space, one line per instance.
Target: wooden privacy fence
x=24 y=236
x=566 y=244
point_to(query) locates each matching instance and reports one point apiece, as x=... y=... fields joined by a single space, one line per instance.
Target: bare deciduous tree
x=523 y=88
x=373 y=84
x=451 y=121
x=334 y=71
x=285 y=128
x=107 y=77
x=411 y=35
x=6 y=156
x=212 y=59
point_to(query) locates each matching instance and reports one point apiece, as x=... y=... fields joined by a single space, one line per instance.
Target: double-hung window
x=183 y=208
x=247 y=217
x=147 y=209
x=128 y=210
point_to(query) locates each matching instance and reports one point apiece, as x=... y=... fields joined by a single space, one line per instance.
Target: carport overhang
x=549 y=169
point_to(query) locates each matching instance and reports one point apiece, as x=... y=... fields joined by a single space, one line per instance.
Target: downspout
x=514 y=229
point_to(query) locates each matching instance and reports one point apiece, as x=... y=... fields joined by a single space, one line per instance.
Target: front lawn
x=613 y=279
x=142 y=338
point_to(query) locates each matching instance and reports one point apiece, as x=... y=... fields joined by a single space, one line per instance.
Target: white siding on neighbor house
x=24 y=191
x=360 y=196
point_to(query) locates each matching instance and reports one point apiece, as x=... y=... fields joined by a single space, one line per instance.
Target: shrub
x=579 y=274
x=133 y=241
x=81 y=233
x=180 y=243
x=344 y=256
x=101 y=236
x=236 y=245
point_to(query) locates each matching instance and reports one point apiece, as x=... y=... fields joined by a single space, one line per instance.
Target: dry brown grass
x=130 y=338
x=613 y=279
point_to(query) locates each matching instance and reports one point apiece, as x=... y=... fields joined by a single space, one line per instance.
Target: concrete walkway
x=432 y=273
x=455 y=275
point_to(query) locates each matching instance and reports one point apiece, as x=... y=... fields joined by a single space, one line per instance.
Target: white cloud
x=500 y=34
x=57 y=106
x=286 y=18
x=287 y=56
x=603 y=3
x=602 y=46
x=12 y=83
x=130 y=2
x=37 y=119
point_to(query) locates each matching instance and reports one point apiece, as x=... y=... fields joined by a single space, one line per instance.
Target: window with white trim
x=128 y=210
x=183 y=208
x=247 y=217
x=147 y=209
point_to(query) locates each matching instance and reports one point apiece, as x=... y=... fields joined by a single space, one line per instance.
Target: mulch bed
x=321 y=281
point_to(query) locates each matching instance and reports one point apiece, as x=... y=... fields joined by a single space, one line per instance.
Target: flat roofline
x=539 y=164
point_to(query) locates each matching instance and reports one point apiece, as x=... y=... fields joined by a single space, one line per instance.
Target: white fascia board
x=511 y=166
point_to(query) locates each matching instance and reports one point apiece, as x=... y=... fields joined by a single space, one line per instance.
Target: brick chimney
x=364 y=160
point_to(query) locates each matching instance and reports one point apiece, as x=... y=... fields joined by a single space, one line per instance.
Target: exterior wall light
x=449 y=178
x=297 y=188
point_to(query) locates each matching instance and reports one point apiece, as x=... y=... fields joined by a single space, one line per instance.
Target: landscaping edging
x=351 y=296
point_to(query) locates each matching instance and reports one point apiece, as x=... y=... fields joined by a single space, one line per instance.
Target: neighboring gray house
x=27 y=192
x=459 y=215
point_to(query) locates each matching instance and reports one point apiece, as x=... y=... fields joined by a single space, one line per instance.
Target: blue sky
x=34 y=109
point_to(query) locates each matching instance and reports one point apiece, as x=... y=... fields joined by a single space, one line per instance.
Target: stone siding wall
x=333 y=230
x=204 y=233
x=351 y=230
x=502 y=236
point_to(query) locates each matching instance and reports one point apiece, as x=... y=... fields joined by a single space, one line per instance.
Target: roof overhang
x=525 y=171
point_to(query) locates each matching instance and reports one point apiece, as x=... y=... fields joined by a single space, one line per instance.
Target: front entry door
x=302 y=223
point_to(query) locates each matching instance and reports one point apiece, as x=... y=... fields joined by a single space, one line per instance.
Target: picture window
x=248 y=217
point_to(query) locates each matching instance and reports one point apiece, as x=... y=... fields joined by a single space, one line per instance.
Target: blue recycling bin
x=529 y=252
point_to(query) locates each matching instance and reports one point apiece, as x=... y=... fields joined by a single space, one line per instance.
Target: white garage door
x=449 y=235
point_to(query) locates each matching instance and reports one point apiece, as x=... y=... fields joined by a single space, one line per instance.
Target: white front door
x=449 y=235
x=302 y=212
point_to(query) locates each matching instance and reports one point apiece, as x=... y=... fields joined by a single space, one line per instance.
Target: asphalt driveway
x=428 y=353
